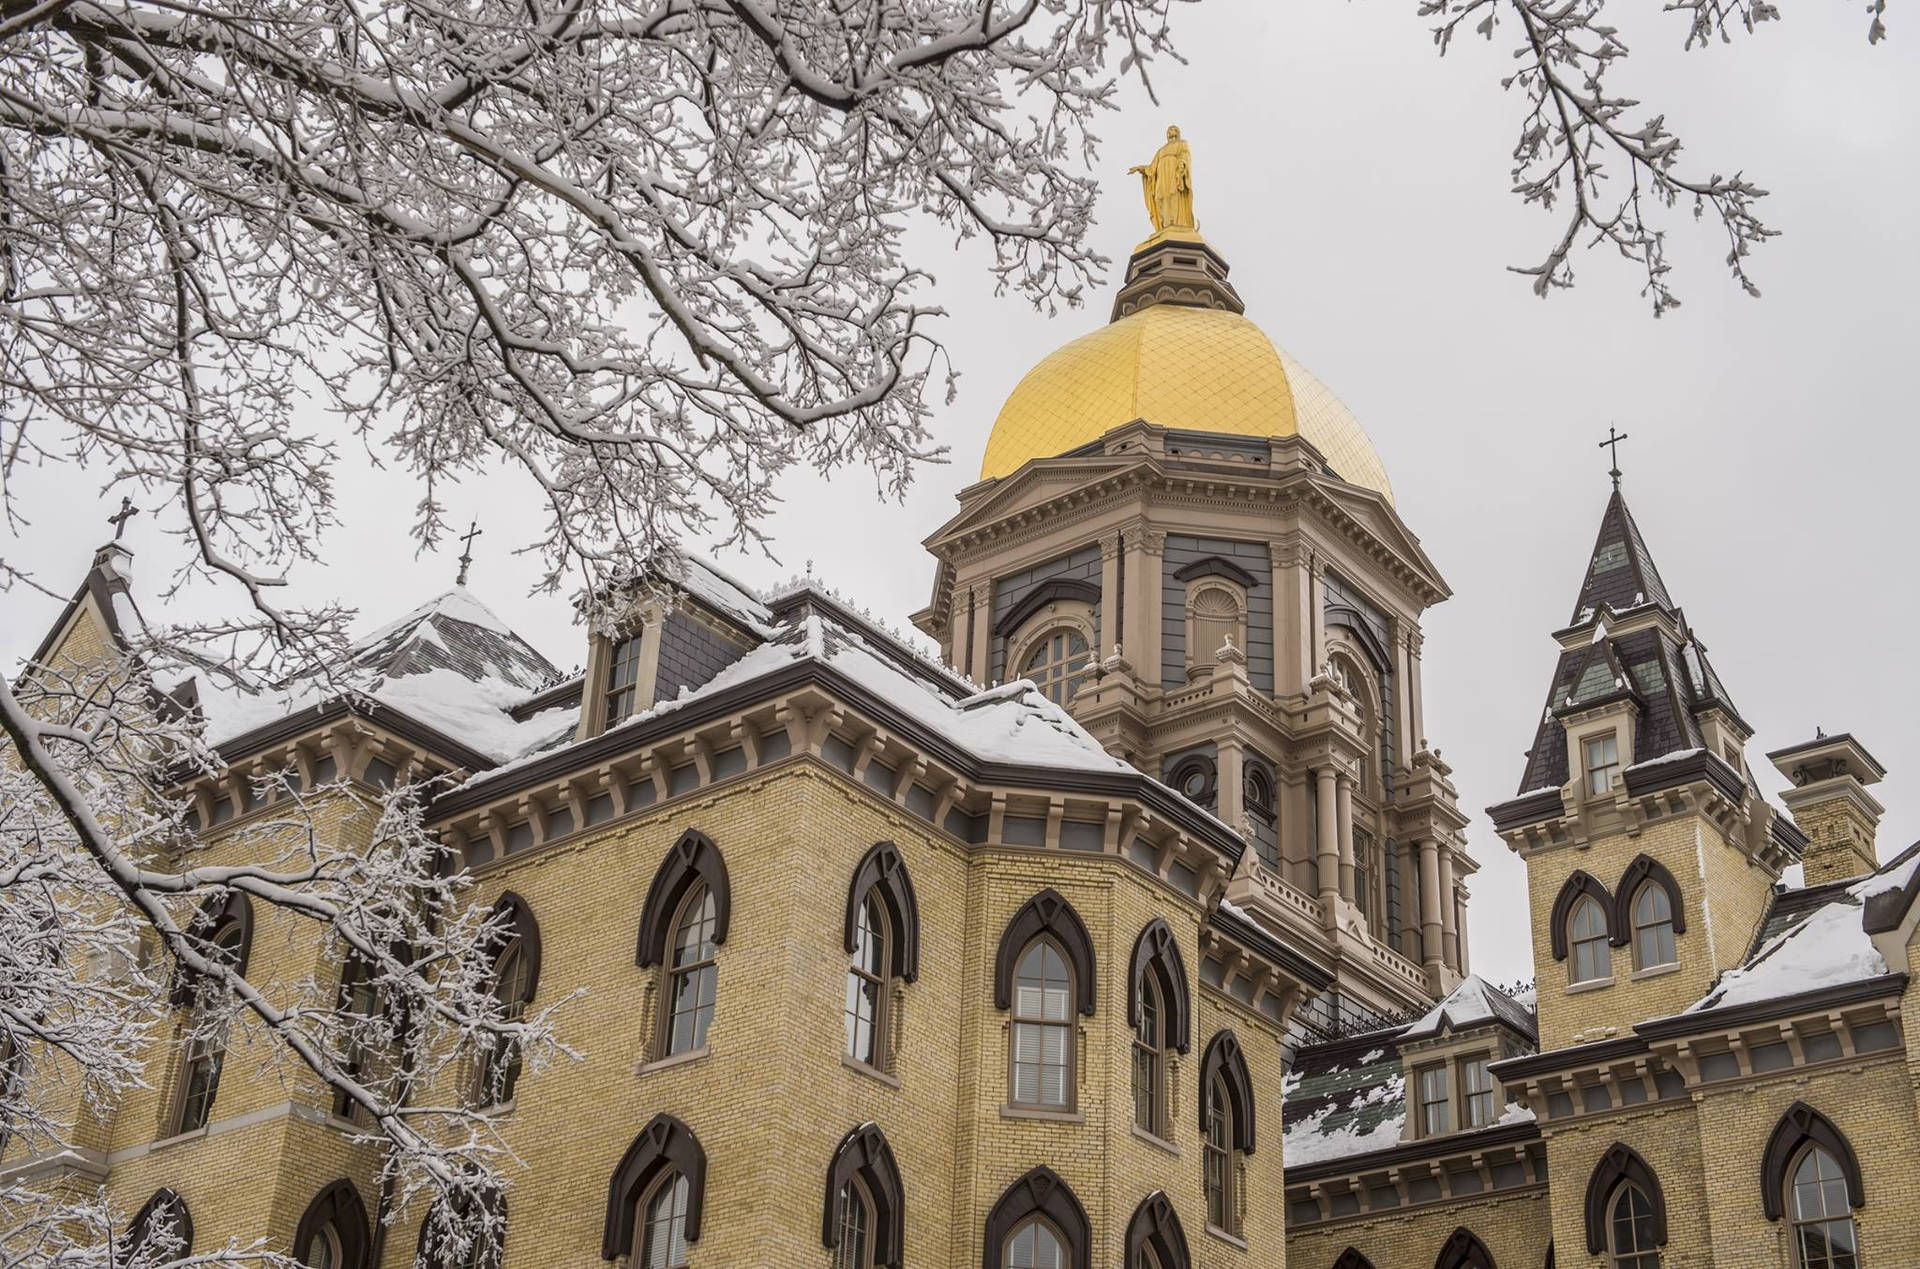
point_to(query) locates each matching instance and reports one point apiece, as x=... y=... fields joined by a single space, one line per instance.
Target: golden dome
x=1198 y=369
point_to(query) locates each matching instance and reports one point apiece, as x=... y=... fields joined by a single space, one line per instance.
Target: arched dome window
x=1587 y=942
x=1056 y=662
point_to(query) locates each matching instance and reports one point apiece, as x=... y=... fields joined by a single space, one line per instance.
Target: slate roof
x=1348 y=1097
x=1672 y=681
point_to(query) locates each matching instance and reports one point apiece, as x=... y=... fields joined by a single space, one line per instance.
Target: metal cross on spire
x=466 y=556
x=119 y=521
x=1613 y=442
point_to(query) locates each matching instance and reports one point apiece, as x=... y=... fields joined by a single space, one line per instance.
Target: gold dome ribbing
x=1198 y=369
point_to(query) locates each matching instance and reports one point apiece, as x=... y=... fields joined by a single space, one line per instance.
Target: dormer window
x=623 y=679
x=1603 y=764
x=1435 y=1101
x=1476 y=1090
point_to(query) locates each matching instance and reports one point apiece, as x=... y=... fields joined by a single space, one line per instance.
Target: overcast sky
x=1358 y=186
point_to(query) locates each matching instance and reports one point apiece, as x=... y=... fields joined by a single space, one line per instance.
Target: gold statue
x=1167 y=182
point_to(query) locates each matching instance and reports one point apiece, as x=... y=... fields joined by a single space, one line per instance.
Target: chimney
x=1830 y=803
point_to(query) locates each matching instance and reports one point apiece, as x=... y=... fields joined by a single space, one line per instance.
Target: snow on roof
x=1827 y=948
x=1370 y=1119
x=724 y=594
x=1013 y=723
x=1473 y=1002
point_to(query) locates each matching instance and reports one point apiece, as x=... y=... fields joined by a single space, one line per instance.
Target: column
x=1329 y=844
x=1430 y=928
x=1317 y=615
x=1109 y=597
x=1141 y=635
x=1418 y=736
x=980 y=659
x=1449 y=935
x=1292 y=618
x=1230 y=785
x=1343 y=806
x=1410 y=901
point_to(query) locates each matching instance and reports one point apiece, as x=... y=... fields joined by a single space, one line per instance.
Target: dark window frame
x=864 y=1155
x=165 y=1203
x=337 y=1204
x=693 y=858
x=664 y=1145
x=1155 y=1227
x=1043 y=1193
x=1046 y=913
x=1798 y=1126
x=1225 y=1058
x=1643 y=869
x=1621 y=1165
x=1579 y=883
x=882 y=871
x=1463 y=1250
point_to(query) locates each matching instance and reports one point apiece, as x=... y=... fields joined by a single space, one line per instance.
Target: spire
x=1621 y=573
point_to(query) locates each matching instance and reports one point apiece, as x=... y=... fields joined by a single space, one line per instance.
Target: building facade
x=1047 y=951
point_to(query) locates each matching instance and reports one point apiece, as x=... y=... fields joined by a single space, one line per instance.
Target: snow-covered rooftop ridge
x=458 y=603
x=1472 y=1002
x=724 y=593
x=1828 y=947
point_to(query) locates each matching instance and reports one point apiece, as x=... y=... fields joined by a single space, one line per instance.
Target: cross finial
x=1613 y=443
x=119 y=522
x=466 y=556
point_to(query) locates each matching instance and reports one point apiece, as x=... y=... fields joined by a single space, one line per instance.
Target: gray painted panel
x=690 y=655
x=1081 y=565
x=1252 y=556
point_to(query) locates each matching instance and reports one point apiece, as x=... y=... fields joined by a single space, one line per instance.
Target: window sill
x=1214 y=1231
x=1040 y=1112
x=1155 y=1140
x=179 y=1138
x=677 y=1059
x=1656 y=971
x=1591 y=984
x=871 y=1072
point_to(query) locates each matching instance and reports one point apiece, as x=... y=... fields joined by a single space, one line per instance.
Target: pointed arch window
x=1626 y=1212
x=656 y=1196
x=864 y=1218
x=224 y=932
x=1038 y=1223
x=516 y=974
x=1226 y=1129
x=682 y=927
x=1352 y=1259
x=1647 y=913
x=1824 y=1235
x=1155 y=1239
x=1587 y=943
x=470 y=1238
x=1043 y=969
x=162 y=1230
x=1630 y=1242
x=332 y=1233
x=1653 y=942
x=882 y=943
x=1464 y=1250
x=1810 y=1175
x=1157 y=1011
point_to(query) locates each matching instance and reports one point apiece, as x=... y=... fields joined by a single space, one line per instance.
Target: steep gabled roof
x=1621 y=573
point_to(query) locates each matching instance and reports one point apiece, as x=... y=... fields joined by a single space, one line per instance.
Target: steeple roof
x=1659 y=665
x=1621 y=573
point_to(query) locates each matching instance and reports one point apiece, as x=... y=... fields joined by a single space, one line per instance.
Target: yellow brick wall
x=1514 y=1226
x=1707 y=1154
x=1722 y=912
x=1839 y=840
x=772 y=1097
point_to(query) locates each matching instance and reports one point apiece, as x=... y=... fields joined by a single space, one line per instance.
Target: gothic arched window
x=226 y=937
x=1042 y=971
x=655 y=1197
x=882 y=944
x=1587 y=942
x=1824 y=1235
x=1226 y=1128
x=1158 y=1013
x=1652 y=927
x=332 y=1233
x=516 y=972
x=865 y=1214
x=1155 y=1239
x=682 y=926
x=1630 y=1241
x=1039 y=1224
